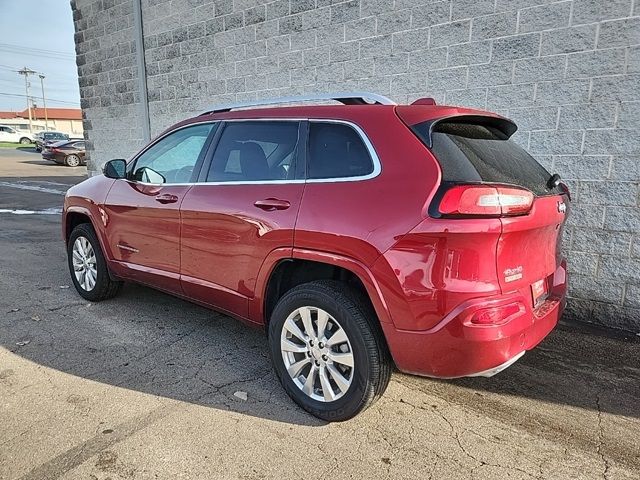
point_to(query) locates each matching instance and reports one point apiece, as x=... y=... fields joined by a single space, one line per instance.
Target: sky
x=37 y=34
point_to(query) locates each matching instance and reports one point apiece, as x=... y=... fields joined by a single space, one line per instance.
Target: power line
x=31 y=96
x=32 y=54
x=16 y=69
x=40 y=52
x=34 y=48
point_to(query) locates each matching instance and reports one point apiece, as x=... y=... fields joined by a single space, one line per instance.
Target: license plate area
x=539 y=292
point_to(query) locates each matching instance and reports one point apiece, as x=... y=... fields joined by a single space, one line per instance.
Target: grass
x=15 y=145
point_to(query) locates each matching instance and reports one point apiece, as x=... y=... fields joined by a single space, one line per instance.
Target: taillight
x=497 y=315
x=485 y=200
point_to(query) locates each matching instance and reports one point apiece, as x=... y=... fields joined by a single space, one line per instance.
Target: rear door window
x=255 y=151
x=469 y=153
x=337 y=151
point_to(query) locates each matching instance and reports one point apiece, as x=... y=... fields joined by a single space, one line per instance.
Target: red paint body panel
x=86 y=199
x=426 y=277
x=226 y=238
x=437 y=266
x=455 y=349
x=144 y=234
x=363 y=219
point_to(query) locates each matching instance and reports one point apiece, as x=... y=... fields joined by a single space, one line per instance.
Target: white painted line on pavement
x=36 y=188
x=46 y=211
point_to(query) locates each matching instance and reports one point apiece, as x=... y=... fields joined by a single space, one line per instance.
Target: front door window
x=173 y=158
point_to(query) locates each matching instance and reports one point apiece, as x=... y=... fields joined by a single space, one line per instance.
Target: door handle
x=166 y=198
x=270 y=204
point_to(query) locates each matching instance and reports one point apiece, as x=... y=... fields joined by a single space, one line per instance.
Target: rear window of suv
x=471 y=152
x=336 y=150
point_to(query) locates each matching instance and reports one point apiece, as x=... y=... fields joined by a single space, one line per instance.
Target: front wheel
x=25 y=141
x=72 y=160
x=327 y=350
x=88 y=267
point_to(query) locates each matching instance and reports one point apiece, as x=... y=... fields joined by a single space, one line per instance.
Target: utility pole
x=26 y=72
x=44 y=103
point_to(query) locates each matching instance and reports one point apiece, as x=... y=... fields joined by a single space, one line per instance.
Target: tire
x=72 y=160
x=103 y=286
x=25 y=141
x=371 y=368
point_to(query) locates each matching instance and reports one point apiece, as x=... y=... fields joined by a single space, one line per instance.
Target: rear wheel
x=327 y=350
x=88 y=267
x=72 y=160
x=25 y=141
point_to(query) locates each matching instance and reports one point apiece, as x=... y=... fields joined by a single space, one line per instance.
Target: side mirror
x=116 y=168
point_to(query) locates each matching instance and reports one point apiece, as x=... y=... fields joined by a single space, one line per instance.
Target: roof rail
x=347 y=98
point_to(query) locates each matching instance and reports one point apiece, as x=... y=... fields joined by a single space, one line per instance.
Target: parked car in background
x=11 y=135
x=43 y=139
x=70 y=153
x=358 y=236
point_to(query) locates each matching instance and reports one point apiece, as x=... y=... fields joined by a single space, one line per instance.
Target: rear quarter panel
x=438 y=265
x=362 y=219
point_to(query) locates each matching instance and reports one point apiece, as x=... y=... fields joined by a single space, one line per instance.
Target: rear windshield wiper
x=554 y=181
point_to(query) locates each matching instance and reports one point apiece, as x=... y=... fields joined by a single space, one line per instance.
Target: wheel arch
x=74 y=217
x=301 y=266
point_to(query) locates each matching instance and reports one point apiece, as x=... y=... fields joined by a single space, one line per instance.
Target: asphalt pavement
x=149 y=386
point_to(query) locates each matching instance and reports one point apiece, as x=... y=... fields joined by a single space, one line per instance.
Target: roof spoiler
x=506 y=126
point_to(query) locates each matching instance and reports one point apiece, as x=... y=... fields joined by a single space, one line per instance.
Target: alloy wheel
x=73 y=160
x=84 y=264
x=317 y=354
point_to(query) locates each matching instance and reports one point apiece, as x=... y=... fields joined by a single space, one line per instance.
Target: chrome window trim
x=377 y=166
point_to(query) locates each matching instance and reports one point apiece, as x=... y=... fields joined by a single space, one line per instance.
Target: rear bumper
x=495 y=370
x=457 y=348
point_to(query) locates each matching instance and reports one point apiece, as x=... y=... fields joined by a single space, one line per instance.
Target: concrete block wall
x=568 y=72
x=105 y=56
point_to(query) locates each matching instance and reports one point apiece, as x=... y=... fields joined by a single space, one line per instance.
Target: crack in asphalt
x=456 y=436
x=604 y=459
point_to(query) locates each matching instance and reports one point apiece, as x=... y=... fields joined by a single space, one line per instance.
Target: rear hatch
x=477 y=158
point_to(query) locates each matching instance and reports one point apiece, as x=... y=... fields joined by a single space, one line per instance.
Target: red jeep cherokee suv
x=360 y=236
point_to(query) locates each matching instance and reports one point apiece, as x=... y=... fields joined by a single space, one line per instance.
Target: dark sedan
x=44 y=139
x=70 y=153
